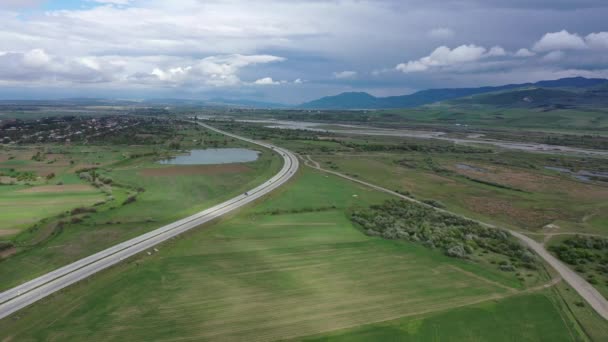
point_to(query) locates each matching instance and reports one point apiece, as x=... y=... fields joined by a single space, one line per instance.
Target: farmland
x=292 y=266
x=106 y=191
x=471 y=323
x=523 y=191
x=302 y=263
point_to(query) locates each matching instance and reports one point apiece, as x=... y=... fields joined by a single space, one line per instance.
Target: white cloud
x=215 y=71
x=441 y=33
x=597 y=40
x=345 y=75
x=266 y=81
x=562 y=40
x=36 y=58
x=38 y=65
x=443 y=56
x=298 y=81
x=496 y=51
x=524 y=53
x=554 y=56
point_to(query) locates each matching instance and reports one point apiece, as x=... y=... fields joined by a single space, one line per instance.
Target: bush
x=456 y=236
x=5 y=245
x=82 y=210
x=130 y=199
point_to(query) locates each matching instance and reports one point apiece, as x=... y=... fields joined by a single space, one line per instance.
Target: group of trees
x=588 y=253
x=415 y=146
x=454 y=235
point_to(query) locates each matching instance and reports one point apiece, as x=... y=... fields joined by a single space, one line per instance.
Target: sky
x=291 y=51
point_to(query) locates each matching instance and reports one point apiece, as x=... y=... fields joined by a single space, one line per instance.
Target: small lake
x=212 y=156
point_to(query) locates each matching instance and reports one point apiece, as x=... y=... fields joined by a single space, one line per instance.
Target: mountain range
x=359 y=100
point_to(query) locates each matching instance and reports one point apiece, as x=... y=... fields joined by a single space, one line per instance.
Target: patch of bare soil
x=526 y=217
x=42 y=170
x=58 y=189
x=194 y=170
x=8 y=232
x=7 y=253
x=518 y=179
x=292 y=224
x=7 y=180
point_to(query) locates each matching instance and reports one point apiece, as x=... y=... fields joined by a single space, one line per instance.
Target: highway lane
x=579 y=284
x=28 y=293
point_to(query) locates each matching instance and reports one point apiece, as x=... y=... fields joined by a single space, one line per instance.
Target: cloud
x=554 y=56
x=562 y=40
x=597 y=40
x=524 y=53
x=181 y=45
x=441 y=33
x=298 y=81
x=38 y=65
x=443 y=56
x=345 y=75
x=217 y=71
x=18 y=4
x=212 y=71
x=496 y=51
x=266 y=81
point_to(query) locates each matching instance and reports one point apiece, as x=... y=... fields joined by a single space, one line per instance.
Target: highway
x=578 y=283
x=32 y=291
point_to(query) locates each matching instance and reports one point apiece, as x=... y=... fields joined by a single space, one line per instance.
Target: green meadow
x=505 y=188
x=56 y=235
x=291 y=266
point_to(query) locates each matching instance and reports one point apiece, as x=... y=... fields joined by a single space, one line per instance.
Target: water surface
x=212 y=156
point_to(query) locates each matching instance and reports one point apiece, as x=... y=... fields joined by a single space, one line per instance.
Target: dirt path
x=579 y=284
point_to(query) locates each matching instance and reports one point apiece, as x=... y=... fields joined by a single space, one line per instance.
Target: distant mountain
x=367 y=101
x=345 y=101
x=540 y=97
x=245 y=103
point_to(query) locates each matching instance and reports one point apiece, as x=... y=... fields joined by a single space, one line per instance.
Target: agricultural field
x=80 y=198
x=489 y=321
x=521 y=197
x=291 y=266
x=532 y=192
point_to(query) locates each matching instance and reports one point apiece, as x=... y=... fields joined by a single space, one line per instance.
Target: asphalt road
x=28 y=293
x=579 y=284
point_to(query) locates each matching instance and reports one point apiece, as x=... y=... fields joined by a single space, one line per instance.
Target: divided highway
x=28 y=293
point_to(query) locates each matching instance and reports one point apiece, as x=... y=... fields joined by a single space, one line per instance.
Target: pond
x=213 y=156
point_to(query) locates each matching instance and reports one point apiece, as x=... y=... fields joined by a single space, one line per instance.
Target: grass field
x=578 y=119
x=500 y=188
x=21 y=207
x=162 y=197
x=289 y=267
x=545 y=323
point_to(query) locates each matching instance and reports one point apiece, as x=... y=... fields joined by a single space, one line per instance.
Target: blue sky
x=66 y=4
x=292 y=51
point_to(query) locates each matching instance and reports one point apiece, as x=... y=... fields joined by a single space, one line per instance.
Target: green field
x=291 y=266
x=163 y=194
x=543 y=317
x=514 y=189
x=21 y=208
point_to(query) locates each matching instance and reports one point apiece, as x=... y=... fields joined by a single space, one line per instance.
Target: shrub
x=130 y=199
x=456 y=236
